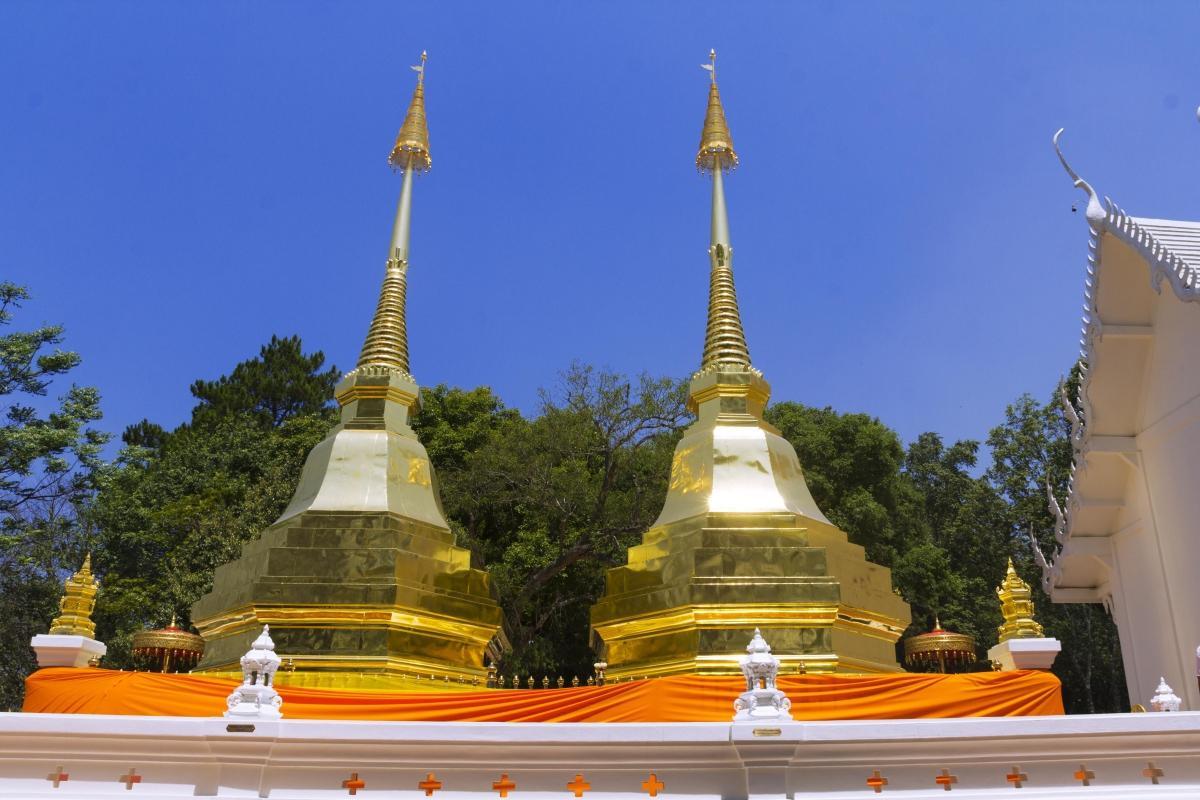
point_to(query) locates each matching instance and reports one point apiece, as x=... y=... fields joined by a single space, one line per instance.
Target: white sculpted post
x=761 y=700
x=1165 y=698
x=256 y=698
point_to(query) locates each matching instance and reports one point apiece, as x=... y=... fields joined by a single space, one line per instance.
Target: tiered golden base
x=695 y=590
x=356 y=594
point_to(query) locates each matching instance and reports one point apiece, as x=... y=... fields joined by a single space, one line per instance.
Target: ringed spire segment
x=724 y=339
x=411 y=150
x=716 y=144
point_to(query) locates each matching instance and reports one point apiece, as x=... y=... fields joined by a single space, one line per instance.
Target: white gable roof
x=1129 y=259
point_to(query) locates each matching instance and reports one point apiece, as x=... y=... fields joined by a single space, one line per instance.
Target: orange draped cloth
x=676 y=699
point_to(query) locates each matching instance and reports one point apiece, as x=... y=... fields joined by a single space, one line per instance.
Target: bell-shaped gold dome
x=716 y=143
x=412 y=143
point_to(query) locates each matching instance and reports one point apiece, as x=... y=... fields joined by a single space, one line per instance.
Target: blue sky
x=179 y=182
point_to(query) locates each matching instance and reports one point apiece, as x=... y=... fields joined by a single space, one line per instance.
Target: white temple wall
x=1173 y=377
x=1169 y=443
x=1149 y=648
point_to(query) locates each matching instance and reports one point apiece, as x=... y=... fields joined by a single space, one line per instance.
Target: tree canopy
x=546 y=502
x=48 y=456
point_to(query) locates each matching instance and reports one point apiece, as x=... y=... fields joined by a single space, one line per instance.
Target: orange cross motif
x=877 y=782
x=130 y=779
x=57 y=776
x=945 y=780
x=429 y=785
x=504 y=785
x=1152 y=772
x=354 y=783
x=1085 y=775
x=652 y=785
x=1016 y=777
x=579 y=785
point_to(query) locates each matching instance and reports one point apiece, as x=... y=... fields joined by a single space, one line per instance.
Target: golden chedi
x=1022 y=642
x=360 y=578
x=76 y=605
x=1016 y=606
x=740 y=544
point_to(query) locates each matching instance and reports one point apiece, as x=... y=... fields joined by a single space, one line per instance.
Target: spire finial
x=420 y=68
x=386 y=345
x=412 y=143
x=724 y=340
x=716 y=145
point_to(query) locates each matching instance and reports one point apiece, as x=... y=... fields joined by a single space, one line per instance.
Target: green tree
x=47 y=455
x=550 y=503
x=1030 y=449
x=176 y=505
x=954 y=574
x=852 y=463
x=281 y=383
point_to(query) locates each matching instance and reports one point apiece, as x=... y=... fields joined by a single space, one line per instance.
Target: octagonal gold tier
x=360 y=579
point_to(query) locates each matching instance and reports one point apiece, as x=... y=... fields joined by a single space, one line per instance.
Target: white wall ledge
x=309 y=759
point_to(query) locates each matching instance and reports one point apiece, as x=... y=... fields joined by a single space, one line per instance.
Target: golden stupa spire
x=724 y=339
x=77 y=603
x=386 y=345
x=740 y=542
x=1016 y=606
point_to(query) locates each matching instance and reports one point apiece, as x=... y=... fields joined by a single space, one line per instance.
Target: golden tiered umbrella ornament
x=169 y=649
x=943 y=649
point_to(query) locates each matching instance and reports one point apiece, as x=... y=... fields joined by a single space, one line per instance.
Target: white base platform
x=307 y=760
x=58 y=650
x=1025 y=654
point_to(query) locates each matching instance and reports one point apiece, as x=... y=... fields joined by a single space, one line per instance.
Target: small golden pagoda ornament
x=1016 y=605
x=947 y=650
x=169 y=649
x=70 y=642
x=75 y=607
x=1022 y=643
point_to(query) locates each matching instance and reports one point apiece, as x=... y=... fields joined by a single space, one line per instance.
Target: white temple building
x=1130 y=533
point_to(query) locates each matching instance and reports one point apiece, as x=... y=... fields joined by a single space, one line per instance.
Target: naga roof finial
x=1095 y=210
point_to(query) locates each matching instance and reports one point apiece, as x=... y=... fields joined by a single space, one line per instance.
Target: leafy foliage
x=550 y=503
x=281 y=383
x=176 y=505
x=47 y=456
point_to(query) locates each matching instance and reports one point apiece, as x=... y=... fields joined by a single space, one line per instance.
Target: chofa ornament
x=256 y=698
x=762 y=700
